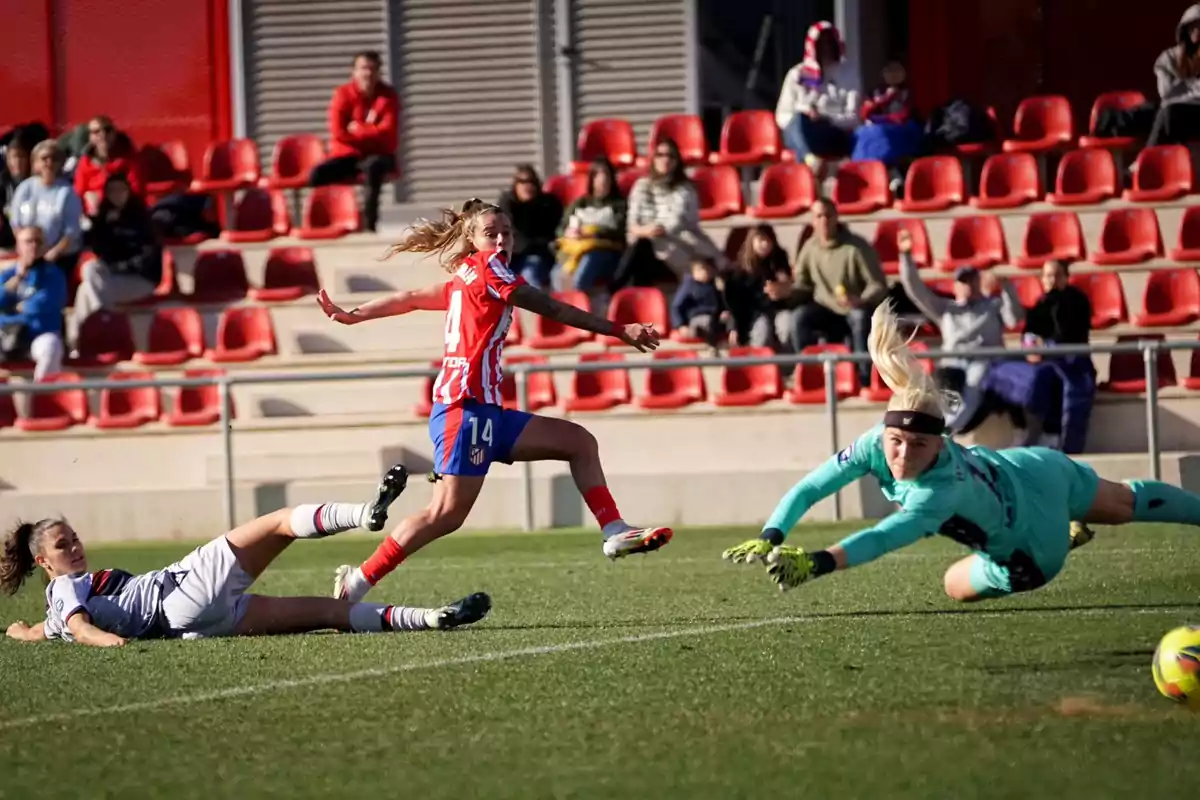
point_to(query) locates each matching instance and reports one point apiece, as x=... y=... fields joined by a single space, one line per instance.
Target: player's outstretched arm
x=432 y=298
x=81 y=627
x=638 y=335
x=27 y=633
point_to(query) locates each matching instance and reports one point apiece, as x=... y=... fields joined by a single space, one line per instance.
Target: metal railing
x=1149 y=348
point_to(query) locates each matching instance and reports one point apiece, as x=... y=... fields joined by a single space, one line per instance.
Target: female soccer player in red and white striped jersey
x=469 y=427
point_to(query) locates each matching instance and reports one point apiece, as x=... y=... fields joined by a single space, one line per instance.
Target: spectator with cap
x=364 y=120
x=974 y=318
x=47 y=201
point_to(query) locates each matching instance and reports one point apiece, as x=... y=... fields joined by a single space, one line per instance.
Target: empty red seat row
x=119 y=407
x=260 y=215
x=220 y=276
x=244 y=333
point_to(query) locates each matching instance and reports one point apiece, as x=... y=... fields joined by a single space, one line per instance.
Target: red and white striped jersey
x=477 y=320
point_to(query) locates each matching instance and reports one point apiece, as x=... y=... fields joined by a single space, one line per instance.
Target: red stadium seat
x=166 y=288
x=176 y=335
x=638 y=304
x=1107 y=296
x=1129 y=236
x=861 y=187
x=424 y=405
x=885 y=243
x=1009 y=180
x=540 y=386
x=330 y=212
x=198 y=405
x=606 y=138
x=1029 y=290
x=1040 y=125
x=220 y=276
x=105 y=338
x=166 y=168
x=626 y=178
x=128 y=408
x=784 y=190
x=293 y=159
x=749 y=386
x=1161 y=173
x=228 y=166
x=549 y=334
x=687 y=131
x=244 y=333
x=878 y=391
x=808 y=386
x=1050 y=237
x=601 y=390
x=567 y=188
x=748 y=138
x=1119 y=101
x=258 y=216
x=719 y=192
x=56 y=411
x=8 y=408
x=1189 y=237
x=934 y=183
x=672 y=388
x=1085 y=177
x=1127 y=371
x=290 y=273
x=1171 y=297
x=975 y=242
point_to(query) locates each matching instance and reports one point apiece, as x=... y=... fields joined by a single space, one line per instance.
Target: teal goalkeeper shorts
x=1055 y=491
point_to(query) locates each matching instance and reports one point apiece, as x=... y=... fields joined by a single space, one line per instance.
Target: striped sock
x=403 y=618
x=318 y=521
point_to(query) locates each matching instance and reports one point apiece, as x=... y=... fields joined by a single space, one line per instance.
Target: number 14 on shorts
x=478 y=452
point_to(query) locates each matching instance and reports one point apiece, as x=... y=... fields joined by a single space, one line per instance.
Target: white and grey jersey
x=116 y=601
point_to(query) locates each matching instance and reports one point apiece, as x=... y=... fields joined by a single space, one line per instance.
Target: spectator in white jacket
x=818 y=106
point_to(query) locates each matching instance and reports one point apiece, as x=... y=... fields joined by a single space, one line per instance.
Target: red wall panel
x=25 y=68
x=145 y=63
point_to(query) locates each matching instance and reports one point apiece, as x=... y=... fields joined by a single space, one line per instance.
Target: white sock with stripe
x=377 y=617
x=312 y=521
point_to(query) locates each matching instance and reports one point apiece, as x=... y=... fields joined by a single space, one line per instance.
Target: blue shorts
x=469 y=436
x=1056 y=490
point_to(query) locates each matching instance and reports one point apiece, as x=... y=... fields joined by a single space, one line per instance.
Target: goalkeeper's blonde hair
x=913 y=389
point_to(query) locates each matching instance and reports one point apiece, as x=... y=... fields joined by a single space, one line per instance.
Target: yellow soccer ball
x=1177 y=666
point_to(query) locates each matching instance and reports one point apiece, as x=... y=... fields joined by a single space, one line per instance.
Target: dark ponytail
x=16 y=559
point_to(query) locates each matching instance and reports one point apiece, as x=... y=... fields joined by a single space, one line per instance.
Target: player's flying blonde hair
x=449 y=237
x=913 y=389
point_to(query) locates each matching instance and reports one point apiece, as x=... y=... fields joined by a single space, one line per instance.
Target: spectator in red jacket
x=363 y=120
x=108 y=152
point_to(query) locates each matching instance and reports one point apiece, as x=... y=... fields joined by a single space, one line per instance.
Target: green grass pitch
x=668 y=675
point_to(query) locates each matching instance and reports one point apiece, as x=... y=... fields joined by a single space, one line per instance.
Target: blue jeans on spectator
x=596 y=269
x=817 y=136
x=534 y=268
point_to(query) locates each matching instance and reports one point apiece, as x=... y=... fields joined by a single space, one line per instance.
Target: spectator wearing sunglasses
x=535 y=218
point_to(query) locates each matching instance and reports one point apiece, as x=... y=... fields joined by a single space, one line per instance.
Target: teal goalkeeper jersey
x=971 y=495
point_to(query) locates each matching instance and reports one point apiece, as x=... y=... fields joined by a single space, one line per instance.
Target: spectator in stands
x=108 y=152
x=47 y=201
x=664 y=225
x=761 y=261
x=838 y=283
x=889 y=132
x=535 y=216
x=592 y=235
x=1178 y=74
x=33 y=293
x=974 y=318
x=818 y=104
x=1051 y=398
x=128 y=262
x=699 y=305
x=364 y=120
x=16 y=170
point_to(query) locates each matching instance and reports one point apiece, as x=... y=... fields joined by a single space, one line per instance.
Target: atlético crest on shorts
x=476 y=455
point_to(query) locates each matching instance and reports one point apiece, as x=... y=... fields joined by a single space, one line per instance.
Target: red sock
x=386 y=558
x=600 y=501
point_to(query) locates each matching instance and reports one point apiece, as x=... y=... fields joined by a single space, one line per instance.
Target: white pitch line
x=502 y=655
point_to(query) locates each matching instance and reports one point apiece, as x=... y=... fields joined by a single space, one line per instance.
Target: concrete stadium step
x=366 y=464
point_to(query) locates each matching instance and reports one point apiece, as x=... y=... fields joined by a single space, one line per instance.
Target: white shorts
x=205 y=594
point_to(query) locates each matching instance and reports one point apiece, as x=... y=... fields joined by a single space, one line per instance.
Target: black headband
x=915 y=422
